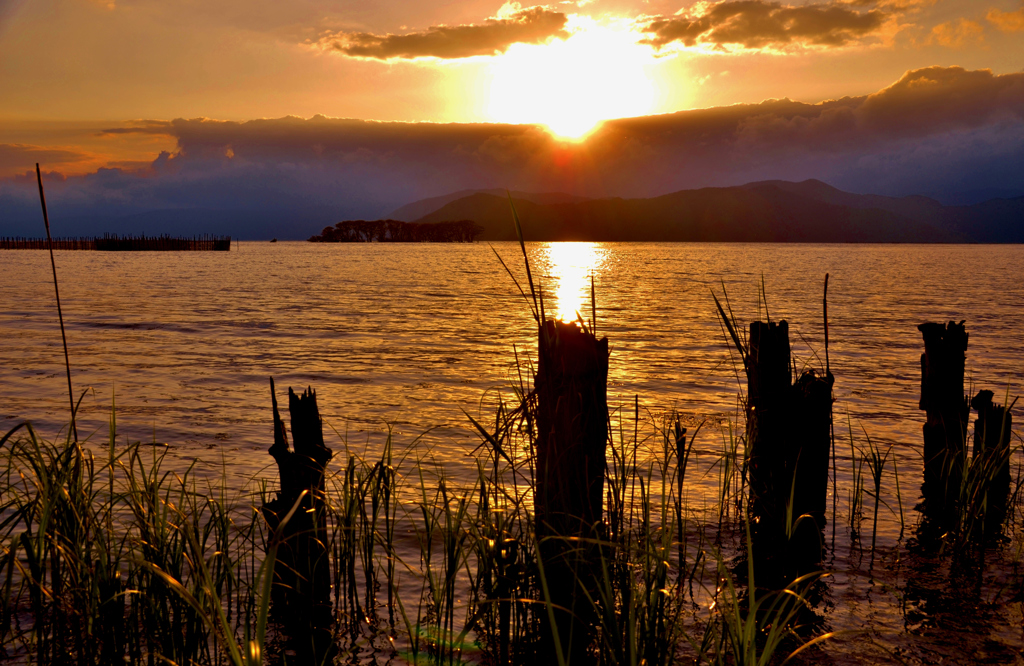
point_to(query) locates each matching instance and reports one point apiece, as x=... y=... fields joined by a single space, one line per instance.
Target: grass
x=875 y=459
x=856 y=491
x=978 y=497
x=111 y=556
x=116 y=558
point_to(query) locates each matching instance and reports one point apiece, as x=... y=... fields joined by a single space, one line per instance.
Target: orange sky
x=71 y=67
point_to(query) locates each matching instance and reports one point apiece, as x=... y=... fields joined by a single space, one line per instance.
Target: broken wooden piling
x=572 y=433
x=991 y=453
x=945 y=404
x=789 y=439
x=302 y=584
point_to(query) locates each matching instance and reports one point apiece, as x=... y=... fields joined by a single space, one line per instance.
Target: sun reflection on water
x=571 y=265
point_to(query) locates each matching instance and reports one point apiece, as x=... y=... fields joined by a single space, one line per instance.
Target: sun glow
x=598 y=73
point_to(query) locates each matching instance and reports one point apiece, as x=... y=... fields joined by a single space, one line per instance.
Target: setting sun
x=570 y=86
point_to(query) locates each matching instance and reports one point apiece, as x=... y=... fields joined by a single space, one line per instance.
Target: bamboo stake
x=831 y=420
x=56 y=290
x=593 y=307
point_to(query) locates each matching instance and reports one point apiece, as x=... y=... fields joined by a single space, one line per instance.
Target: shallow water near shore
x=412 y=335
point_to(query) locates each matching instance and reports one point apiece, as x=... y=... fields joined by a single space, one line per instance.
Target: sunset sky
x=227 y=91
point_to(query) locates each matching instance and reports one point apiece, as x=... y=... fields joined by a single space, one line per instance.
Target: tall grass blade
x=537 y=307
x=56 y=290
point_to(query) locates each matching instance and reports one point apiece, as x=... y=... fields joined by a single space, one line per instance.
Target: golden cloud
x=16 y=157
x=1007 y=21
x=534 y=25
x=957 y=34
x=757 y=24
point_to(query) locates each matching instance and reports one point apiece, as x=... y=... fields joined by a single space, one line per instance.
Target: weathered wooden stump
x=944 y=401
x=302 y=583
x=572 y=433
x=812 y=422
x=991 y=453
x=769 y=381
x=789 y=439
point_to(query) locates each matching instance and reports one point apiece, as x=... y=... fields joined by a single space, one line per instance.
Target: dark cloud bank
x=944 y=132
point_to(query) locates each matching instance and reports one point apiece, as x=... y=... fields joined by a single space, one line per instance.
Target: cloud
x=936 y=129
x=1007 y=21
x=924 y=104
x=758 y=24
x=154 y=127
x=957 y=34
x=494 y=36
x=16 y=156
x=8 y=10
x=935 y=99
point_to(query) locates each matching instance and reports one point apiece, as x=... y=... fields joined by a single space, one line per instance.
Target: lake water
x=414 y=335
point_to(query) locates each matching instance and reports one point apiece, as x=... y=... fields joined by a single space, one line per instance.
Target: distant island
x=768 y=211
x=395 y=231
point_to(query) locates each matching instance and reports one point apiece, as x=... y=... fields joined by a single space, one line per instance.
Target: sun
x=570 y=86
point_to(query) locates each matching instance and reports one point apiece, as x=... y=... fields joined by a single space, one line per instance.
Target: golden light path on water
x=571 y=265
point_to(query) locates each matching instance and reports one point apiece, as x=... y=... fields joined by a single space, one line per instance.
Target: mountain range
x=765 y=211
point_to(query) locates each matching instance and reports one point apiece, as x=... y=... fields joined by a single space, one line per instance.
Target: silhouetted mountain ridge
x=417 y=209
x=765 y=211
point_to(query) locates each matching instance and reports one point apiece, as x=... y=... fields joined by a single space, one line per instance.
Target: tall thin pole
x=56 y=290
x=824 y=306
x=831 y=421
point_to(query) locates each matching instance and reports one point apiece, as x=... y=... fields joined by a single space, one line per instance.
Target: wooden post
x=943 y=399
x=572 y=434
x=769 y=381
x=992 y=431
x=812 y=423
x=789 y=435
x=302 y=583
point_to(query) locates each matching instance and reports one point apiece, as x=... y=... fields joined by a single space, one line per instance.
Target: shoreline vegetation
x=578 y=541
x=394 y=231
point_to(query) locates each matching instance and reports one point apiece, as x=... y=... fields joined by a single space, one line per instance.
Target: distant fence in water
x=395 y=231
x=115 y=243
x=42 y=244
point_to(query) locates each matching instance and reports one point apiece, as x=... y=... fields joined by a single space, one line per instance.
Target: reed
x=899 y=496
x=117 y=559
x=875 y=459
x=754 y=629
x=161 y=566
x=856 y=491
x=984 y=490
x=56 y=291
